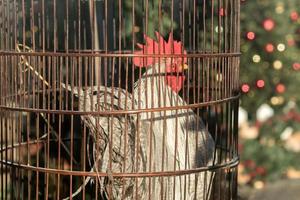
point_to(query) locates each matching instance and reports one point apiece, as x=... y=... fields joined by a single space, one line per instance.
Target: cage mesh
x=134 y=99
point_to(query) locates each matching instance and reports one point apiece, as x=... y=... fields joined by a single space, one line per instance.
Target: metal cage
x=119 y=99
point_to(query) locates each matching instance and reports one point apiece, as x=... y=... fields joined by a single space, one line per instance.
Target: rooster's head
x=173 y=65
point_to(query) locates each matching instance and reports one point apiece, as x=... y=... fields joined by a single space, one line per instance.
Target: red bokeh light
x=294 y=16
x=222 y=12
x=245 y=88
x=269 y=24
x=250 y=35
x=296 y=66
x=291 y=42
x=280 y=88
x=269 y=48
x=260 y=83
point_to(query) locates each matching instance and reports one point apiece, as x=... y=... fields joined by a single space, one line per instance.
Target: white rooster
x=178 y=139
x=165 y=140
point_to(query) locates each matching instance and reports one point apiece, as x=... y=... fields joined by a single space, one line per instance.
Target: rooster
x=158 y=141
x=179 y=138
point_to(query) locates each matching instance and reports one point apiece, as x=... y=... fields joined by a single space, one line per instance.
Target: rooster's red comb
x=159 y=47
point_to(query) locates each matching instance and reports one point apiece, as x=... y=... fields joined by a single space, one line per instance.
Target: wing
x=116 y=146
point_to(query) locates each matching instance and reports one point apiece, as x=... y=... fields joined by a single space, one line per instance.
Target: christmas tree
x=270 y=75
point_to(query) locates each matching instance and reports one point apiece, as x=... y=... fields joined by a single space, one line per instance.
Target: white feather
x=152 y=92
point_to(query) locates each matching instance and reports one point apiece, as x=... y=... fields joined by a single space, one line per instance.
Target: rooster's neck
x=152 y=90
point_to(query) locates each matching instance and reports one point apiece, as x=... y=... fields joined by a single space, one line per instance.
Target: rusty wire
x=80 y=120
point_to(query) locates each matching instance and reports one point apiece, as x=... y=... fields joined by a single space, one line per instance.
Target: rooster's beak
x=183 y=67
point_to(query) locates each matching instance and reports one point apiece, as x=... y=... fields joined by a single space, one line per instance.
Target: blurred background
x=269 y=111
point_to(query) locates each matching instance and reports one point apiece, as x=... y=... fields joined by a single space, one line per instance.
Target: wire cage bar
x=134 y=99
